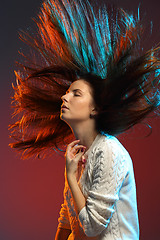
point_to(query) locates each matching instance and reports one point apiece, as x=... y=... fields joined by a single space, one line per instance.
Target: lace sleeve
x=108 y=175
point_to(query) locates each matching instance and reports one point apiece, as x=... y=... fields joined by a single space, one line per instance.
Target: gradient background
x=31 y=191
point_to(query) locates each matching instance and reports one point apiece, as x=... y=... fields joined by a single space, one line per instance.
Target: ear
x=94 y=111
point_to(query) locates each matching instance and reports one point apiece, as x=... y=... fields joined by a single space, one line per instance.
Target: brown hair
x=124 y=83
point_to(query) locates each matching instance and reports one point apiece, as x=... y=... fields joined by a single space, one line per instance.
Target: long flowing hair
x=75 y=40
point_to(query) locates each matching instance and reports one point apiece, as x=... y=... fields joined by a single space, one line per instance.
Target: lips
x=63 y=106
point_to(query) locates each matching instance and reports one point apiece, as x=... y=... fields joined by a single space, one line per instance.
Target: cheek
x=79 y=102
x=81 y=107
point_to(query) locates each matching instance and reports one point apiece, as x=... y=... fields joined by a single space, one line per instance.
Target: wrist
x=71 y=177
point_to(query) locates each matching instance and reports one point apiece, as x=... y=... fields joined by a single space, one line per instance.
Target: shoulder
x=110 y=166
x=108 y=142
x=111 y=152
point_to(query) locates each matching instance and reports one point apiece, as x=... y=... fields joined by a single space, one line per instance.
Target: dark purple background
x=31 y=191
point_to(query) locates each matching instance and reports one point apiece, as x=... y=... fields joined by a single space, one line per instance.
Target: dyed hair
x=76 y=41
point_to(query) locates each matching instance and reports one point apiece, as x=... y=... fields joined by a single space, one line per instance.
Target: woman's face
x=78 y=99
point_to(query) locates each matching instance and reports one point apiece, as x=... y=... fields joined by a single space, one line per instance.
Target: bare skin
x=72 y=160
x=80 y=105
x=62 y=234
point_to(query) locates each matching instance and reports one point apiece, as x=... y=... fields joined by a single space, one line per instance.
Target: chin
x=62 y=117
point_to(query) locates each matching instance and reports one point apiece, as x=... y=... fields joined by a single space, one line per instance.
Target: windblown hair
x=75 y=41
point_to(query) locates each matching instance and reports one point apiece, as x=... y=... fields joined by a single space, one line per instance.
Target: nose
x=64 y=98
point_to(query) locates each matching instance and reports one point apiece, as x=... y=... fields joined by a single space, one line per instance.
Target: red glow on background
x=31 y=191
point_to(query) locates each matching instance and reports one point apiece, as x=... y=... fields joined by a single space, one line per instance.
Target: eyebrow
x=77 y=89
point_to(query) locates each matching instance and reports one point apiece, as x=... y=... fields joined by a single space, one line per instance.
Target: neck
x=85 y=133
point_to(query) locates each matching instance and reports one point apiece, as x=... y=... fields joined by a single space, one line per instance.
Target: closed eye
x=75 y=94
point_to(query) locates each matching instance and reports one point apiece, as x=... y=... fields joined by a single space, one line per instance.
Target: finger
x=77 y=148
x=73 y=143
x=81 y=150
x=80 y=146
x=83 y=165
x=80 y=154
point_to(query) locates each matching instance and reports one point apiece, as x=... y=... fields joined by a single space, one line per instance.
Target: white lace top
x=108 y=183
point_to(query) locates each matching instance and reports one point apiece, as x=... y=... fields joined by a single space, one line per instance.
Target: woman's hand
x=73 y=158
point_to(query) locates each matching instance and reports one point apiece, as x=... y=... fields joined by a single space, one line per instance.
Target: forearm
x=62 y=234
x=78 y=197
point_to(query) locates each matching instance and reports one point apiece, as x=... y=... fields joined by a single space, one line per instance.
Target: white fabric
x=108 y=184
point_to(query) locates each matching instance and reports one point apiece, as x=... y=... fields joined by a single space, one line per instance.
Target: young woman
x=100 y=200
x=91 y=81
